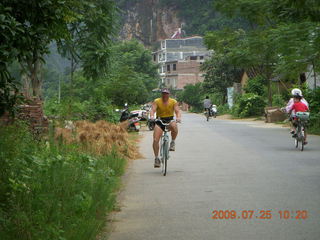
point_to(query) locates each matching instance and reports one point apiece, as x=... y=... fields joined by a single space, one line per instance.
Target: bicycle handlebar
x=164 y=124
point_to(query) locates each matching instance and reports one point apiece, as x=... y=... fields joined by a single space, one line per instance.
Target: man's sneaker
x=157 y=163
x=172 y=146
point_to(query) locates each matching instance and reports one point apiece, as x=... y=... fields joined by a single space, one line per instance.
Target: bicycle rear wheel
x=302 y=140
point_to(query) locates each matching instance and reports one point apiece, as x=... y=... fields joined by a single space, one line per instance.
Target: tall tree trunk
x=269 y=79
x=269 y=92
x=27 y=89
x=32 y=78
x=36 y=79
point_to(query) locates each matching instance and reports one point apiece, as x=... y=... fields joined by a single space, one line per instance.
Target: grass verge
x=53 y=191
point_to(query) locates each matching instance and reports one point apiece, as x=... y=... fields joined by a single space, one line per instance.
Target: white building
x=177 y=51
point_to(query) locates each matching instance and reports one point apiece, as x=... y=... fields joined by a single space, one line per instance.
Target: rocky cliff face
x=148 y=21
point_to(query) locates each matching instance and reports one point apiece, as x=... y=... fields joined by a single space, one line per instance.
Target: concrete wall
x=311 y=78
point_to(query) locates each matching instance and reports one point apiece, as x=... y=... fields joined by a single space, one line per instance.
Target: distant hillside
x=152 y=20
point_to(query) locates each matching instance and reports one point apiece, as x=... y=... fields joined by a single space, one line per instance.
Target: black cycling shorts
x=165 y=120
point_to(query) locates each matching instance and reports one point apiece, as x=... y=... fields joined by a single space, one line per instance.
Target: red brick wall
x=32 y=113
x=188 y=72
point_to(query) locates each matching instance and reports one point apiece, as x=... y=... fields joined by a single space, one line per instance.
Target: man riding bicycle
x=165 y=108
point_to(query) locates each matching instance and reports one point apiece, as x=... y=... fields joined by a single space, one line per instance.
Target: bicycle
x=164 y=150
x=207 y=114
x=301 y=122
x=211 y=112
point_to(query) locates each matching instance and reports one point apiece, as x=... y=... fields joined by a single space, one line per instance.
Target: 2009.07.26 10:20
x=259 y=214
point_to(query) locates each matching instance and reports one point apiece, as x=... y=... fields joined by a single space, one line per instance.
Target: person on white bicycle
x=294 y=92
x=165 y=108
x=298 y=106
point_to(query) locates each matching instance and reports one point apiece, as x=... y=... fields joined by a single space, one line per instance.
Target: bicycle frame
x=300 y=134
x=164 y=150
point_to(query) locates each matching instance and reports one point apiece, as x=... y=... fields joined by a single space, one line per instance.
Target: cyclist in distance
x=207 y=104
x=294 y=92
x=165 y=108
x=298 y=106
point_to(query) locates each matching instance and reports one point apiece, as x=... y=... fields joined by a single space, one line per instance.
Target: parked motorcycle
x=132 y=118
x=150 y=124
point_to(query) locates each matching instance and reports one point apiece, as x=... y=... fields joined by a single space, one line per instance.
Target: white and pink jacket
x=290 y=105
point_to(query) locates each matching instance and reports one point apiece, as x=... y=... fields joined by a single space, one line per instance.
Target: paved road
x=225 y=165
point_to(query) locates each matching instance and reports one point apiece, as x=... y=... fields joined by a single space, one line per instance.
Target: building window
x=193 y=58
x=201 y=57
x=168 y=68
x=155 y=57
x=174 y=67
x=163 y=44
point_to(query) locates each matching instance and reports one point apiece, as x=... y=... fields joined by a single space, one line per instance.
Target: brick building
x=180 y=60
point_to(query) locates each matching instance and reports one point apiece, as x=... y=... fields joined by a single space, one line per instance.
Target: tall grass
x=50 y=191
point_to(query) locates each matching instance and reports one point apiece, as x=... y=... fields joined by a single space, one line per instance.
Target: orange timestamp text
x=259 y=214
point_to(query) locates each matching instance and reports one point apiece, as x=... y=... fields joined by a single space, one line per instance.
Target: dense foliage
x=219 y=75
x=248 y=105
x=313 y=98
x=131 y=77
x=192 y=95
x=30 y=27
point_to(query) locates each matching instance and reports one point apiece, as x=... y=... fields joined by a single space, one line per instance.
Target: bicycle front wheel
x=296 y=142
x=165 y=156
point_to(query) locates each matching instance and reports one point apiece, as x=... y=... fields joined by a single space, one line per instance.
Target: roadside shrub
x=249 y=105
x=256 y=85
x=216 y=98
x=314 y=126
x=72 y=109
x=50 y=191
x=223 y=109
x=278 y=101
x=313 y=97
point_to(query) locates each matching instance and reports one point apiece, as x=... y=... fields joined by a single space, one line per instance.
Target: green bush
x=256 y=85
x=53 y=192
x=248 y=105
x=71 y=109
x=223 y=109
x=216 y=98
x=278 y=101
x=313 y=97
x=192 y=96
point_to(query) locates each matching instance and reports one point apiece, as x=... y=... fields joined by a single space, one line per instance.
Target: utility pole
x=59 y=90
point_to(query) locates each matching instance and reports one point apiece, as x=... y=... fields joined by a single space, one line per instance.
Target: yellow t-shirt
x=165 y=110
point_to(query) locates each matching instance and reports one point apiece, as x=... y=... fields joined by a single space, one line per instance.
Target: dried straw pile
x=100 y=137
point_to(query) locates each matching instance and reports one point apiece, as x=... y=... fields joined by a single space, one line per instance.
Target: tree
x=283 y=38
x=192 y=95
x=42 y=21
x=219 y=75
x=126 y=86
x=138 y=58
x=10 y=35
